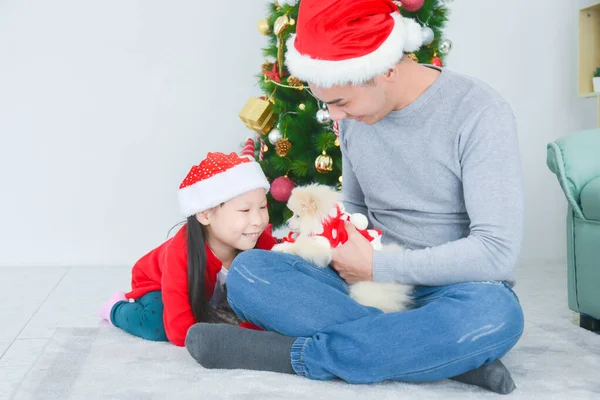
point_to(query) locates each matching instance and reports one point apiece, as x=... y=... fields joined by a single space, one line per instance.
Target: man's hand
x=354 y=259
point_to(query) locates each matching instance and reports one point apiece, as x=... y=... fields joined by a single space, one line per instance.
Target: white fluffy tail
x=387 y=296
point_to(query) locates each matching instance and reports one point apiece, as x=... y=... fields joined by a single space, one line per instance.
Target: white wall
x=104 y=105
x=532 y=62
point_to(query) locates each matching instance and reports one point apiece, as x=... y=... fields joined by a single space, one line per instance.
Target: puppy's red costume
x=334 y=231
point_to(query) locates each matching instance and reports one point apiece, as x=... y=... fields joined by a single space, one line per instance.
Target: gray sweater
x=441 y=177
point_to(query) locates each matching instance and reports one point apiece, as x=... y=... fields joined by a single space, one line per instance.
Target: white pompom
x=359 y=220
x=413 y=35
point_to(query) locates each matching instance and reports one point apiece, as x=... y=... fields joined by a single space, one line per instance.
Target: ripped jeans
x=450 y=329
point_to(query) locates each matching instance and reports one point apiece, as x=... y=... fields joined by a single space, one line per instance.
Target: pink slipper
x=108 y=305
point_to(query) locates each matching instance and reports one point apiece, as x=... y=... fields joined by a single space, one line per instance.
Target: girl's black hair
x=196 y=268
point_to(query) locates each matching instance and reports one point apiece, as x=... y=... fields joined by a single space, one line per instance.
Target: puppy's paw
x=284 y=248
x=314 y=249
x=320 y=260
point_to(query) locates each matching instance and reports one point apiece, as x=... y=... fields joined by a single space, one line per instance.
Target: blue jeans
x=450 y=330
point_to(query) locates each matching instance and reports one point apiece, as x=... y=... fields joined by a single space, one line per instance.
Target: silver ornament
x=445 y=46
x=323 y=116
x=275 y=136
x=428 y=35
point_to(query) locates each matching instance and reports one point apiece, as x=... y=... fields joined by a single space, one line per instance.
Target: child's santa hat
x=341 y=42
x=218 y=178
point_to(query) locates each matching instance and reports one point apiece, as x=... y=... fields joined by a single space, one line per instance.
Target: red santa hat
x=341 y=42
x=218 y=178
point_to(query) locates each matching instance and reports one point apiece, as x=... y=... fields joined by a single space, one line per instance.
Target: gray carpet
x=555 y=359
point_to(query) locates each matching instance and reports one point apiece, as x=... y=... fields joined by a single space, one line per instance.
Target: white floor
x=36 y=301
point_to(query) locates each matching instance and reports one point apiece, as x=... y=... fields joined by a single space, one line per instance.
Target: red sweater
x=165 y=269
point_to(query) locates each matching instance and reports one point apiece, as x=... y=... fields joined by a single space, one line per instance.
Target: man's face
x=366 y=103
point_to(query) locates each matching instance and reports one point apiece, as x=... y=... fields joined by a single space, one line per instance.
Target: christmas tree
x=296 y=142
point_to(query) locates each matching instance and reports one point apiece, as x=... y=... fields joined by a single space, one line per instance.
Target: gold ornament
x=280 y=24
x=263 y=26
x=302 y=106
x=337 y=142
x=295 y=82
x=413 y=57
x=258 y=115
x=340 y=179
x=292 y=22
x=324 y=163
x=283 y=147
x=265 y=148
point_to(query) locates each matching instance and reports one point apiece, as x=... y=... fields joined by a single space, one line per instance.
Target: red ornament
x=436 y=61
x=412 y=5
x=281 y=188
x=274 y=73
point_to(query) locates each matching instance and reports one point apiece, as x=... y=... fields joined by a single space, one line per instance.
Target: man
x=432 y=158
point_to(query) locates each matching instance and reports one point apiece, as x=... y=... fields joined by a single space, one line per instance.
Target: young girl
x=182 y=281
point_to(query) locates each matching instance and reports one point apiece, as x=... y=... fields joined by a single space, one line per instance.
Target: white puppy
x=318 y=221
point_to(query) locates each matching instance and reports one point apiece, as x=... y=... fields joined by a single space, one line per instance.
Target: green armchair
x=575 y=160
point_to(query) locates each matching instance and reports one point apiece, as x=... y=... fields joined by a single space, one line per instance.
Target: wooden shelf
x=589 y=48
x=589 y=51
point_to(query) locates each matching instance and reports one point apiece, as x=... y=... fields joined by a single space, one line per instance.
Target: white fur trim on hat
x=405 y=36
x=219 y=188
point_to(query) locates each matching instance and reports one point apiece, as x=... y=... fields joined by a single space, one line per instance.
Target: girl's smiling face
x=237 y=223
